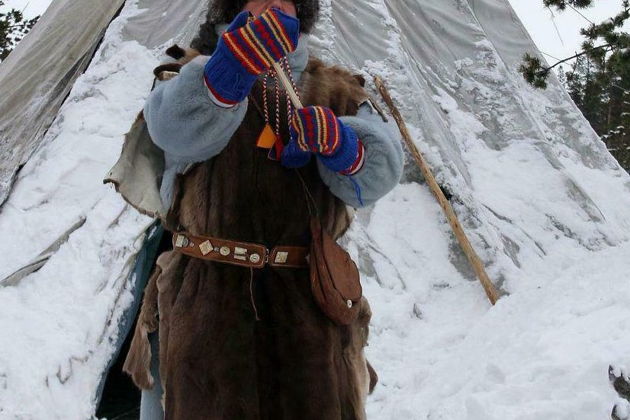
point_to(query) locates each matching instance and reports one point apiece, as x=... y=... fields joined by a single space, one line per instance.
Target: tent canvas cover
x=544 y=203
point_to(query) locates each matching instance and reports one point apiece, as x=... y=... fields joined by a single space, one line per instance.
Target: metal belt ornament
x=245 y=254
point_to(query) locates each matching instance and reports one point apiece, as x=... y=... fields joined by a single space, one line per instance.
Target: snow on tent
x=544 y=203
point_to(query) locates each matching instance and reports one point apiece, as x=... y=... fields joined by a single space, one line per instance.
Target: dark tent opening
x=121 y=398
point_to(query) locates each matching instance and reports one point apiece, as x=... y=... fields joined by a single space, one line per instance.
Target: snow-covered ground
x=545 y=205
x=442 y=352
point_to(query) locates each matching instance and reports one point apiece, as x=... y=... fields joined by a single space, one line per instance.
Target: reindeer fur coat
x=236 y=343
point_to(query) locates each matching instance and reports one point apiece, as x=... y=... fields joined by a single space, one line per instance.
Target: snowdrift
x=545 y=205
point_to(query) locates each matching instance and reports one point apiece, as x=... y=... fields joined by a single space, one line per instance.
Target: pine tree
x=602 y=92
x=616 y=110
x=599 y=80
x=13 y=27
x=601 y=40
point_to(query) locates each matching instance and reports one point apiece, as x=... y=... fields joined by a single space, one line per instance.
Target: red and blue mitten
x=247 y=49
x=316 y=129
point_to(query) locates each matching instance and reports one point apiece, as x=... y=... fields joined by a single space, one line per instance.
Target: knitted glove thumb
x=294 y=157
x=239 y=21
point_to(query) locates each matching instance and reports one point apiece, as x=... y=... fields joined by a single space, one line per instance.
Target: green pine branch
x=608 y=34
x=598 y=79
x=13 y=27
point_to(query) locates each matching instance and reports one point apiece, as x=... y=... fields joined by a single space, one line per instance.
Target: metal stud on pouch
x=349 y=303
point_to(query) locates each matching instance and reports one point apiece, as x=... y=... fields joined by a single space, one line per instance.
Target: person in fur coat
x=219 y=341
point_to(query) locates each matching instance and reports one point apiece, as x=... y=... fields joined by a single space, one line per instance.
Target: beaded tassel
x=278 y=145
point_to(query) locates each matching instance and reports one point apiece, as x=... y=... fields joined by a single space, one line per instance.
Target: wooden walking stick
x=472 y=256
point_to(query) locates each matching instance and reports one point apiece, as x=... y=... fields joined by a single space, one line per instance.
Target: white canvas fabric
x=544 y=203
x=38 y=75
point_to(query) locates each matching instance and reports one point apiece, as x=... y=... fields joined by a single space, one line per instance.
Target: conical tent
x=544 y=203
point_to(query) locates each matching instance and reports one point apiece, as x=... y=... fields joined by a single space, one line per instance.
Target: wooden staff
x=284 y=79
x=472 y=256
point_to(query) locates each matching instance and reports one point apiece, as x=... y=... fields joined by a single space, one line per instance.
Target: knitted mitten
x=247 y=49
x=316 y=129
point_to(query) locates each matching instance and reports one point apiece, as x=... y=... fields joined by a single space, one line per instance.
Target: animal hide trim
x=138 y=361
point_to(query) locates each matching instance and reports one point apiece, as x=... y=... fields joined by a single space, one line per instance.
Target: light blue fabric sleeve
x=383 y=164
x=184 y=122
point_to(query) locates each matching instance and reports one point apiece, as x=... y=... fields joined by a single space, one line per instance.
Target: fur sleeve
x=383 y=162
x=184 y=122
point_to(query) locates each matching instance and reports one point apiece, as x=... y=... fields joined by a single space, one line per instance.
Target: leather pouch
x=334 y=277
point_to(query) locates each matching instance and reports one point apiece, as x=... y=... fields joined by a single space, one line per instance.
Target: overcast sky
x=559 y=40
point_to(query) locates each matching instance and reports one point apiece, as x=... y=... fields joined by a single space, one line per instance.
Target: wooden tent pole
x=472 y=256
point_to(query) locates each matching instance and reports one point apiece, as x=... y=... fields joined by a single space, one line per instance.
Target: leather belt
x=245 y=254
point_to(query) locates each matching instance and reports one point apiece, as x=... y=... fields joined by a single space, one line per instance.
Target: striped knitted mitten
x=247 y=49
x=316 y=129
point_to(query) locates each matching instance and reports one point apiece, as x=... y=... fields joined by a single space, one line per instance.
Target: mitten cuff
x=358 y=162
